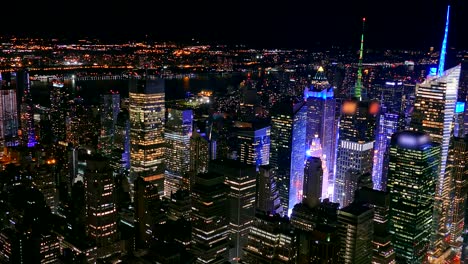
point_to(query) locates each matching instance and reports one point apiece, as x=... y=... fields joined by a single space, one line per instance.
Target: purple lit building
x=321 y=125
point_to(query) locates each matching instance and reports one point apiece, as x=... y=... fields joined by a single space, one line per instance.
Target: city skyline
x=415 y=24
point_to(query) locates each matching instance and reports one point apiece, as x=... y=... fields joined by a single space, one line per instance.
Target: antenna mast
x=443 y=50
x=358 y=84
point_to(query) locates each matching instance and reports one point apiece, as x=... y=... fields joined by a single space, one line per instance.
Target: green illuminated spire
x=358 y=84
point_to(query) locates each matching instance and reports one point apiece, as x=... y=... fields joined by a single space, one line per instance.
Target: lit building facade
x=355 y=148
x=177 y=135
x=210 y=225
x=254 y=145
x=288 y=147
x=321 y=123
x=271 y=240
x=58 y=107
x=458 y=160
x=383 y=252
x=101 y=212
x=25 y=109
x=267 y=198
x=109 y=111
x=8 y=116
x=147 y=118
x=433 y=114
x=413 y=168
x=388 y=124
x=120 y=160
x=356 y=230
x=241 y=179
x=200 y=146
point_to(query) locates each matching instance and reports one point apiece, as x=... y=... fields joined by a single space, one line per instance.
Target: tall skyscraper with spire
x=433 y=114
x=356 y=138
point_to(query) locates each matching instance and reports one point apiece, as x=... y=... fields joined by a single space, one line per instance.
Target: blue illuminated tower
x=388 y=124
x=321 y=122
x=288 y=146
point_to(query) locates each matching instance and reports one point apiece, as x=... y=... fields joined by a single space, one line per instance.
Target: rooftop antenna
x=358 y=84
x=443 y=50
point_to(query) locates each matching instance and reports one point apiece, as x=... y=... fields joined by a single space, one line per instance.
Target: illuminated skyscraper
x=109 y=110
x=58 y=104
x=382 y=239
x=209 y=218
x=458 y=160
x=121 y=146
x=321 y=121
x=271 y=240
x=241 y=179
x=388 y=124
x=146 y=201
x=200 y=146
x=287 y=154
x=267 y=197
x=25 y=109
x=414 y=163
x=8 y=115
x=101 y=212
x=253 y=144
x=433 y=114
x=356 y=230
x=355 y=148
x=177 y=134
x=147 y=118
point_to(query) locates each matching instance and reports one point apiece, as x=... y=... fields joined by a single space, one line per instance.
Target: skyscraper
x=121 y=147
x=382 y=239
x=267 y=198
x=433 y=114
x=414 y=163
x=387 y=125
x=321 y=106
x=147 y=118
x=355 y=229
x=209 y=218
x=25 y=108
x=58 y=104
x=101 y=212
x=458 y=160
x=287 y=154
x=313 y=175
x=109 y=111
x=177 y=135
x=253 y=143
x=241 y=179
x=271 y=240
x=355 y=148
x=200 y=146
x=8 y=115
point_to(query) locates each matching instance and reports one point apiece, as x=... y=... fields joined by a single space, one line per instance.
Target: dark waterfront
x=91 y=90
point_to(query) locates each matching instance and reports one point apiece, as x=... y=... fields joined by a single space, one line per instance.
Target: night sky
x=302 y=24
